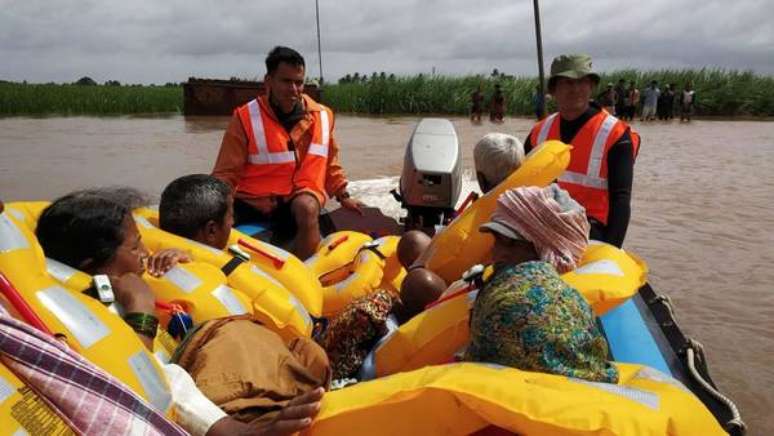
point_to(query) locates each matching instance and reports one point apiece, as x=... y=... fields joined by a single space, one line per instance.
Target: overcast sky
x=170 y=40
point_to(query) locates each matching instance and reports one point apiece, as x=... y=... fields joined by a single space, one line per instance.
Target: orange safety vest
x=274 y=169
x=586 y=175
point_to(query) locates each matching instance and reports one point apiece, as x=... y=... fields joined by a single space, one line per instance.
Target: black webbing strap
x=370 y=246
x=231 y=265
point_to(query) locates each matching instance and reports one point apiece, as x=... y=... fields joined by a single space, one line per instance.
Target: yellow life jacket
x=606 y=276
x=77 y=281
x=22 y=411
x=460 y=245
x=200 y=286
x=462 y=398
x=335 y=251
x=27 y=211
x=283 y=268
x=201 y=289
x=89 y=327
x=207 y=292
x=346 y=269
x=393 y=272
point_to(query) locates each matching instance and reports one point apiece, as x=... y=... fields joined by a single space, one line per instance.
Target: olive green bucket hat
x=573 y=66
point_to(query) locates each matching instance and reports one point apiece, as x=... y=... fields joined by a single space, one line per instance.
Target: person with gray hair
x=496 y=156
x=198 y=207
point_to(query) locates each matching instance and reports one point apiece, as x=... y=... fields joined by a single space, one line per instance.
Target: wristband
x=343 y=196
x=142 y=323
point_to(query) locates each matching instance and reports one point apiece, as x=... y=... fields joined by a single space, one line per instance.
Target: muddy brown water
x=703 y=208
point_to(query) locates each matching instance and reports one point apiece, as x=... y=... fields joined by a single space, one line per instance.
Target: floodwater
x=703 y=208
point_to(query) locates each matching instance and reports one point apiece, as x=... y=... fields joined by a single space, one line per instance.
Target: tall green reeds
x=719 y=92
x=53 y=99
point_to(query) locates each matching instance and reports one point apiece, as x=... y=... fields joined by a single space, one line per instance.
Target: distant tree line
x=363 y=78
x=88 y=81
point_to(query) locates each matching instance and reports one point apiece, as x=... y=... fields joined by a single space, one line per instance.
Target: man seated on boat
x=199 y=207
x=94 y=231
x=280 y=157
x=496 y=156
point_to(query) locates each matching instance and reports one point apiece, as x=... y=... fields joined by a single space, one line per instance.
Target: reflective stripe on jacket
x=274 y=165
x=586 y=175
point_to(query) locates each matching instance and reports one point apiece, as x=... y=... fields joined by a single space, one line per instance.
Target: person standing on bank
x=280 y=157
x=497 y=106
x=476 y=105
x=687 y=102
x=651 y=95
x=620 y=99
x=601 y=167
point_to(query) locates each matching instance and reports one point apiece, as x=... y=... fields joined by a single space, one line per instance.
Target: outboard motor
x=431 y=180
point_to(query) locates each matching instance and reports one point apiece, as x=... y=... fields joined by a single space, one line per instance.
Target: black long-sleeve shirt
x=620 y=169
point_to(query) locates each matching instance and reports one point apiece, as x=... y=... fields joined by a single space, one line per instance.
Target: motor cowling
x=431 y=180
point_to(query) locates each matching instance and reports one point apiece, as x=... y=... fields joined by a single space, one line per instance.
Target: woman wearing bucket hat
x=525 y=316
x=600 y=172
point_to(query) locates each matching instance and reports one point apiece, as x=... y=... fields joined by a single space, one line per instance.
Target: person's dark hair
x=84 y=229
x=283 y=54
x=189 y=202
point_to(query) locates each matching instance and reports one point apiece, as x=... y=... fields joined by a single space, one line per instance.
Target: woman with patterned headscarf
x=526 y=316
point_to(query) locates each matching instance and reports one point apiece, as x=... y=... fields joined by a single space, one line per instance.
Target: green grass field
x=51 y=99
x=719 y=93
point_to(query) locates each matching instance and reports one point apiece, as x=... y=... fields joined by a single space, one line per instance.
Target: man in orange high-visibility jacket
x=281 y=159
x=601 y=167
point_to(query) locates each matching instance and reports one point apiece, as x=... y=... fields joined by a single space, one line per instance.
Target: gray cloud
x=148 y=41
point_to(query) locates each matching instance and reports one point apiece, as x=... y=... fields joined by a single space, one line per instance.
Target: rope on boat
x=695 y=350
x=667 y=303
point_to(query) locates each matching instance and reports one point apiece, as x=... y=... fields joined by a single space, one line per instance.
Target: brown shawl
x=247 y=370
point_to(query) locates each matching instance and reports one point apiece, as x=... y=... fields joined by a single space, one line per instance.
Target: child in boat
x=94 y=231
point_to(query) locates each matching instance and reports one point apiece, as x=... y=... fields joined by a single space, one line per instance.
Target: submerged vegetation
x=719 y=93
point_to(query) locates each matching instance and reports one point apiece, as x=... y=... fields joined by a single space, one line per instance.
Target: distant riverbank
x=720 y=93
